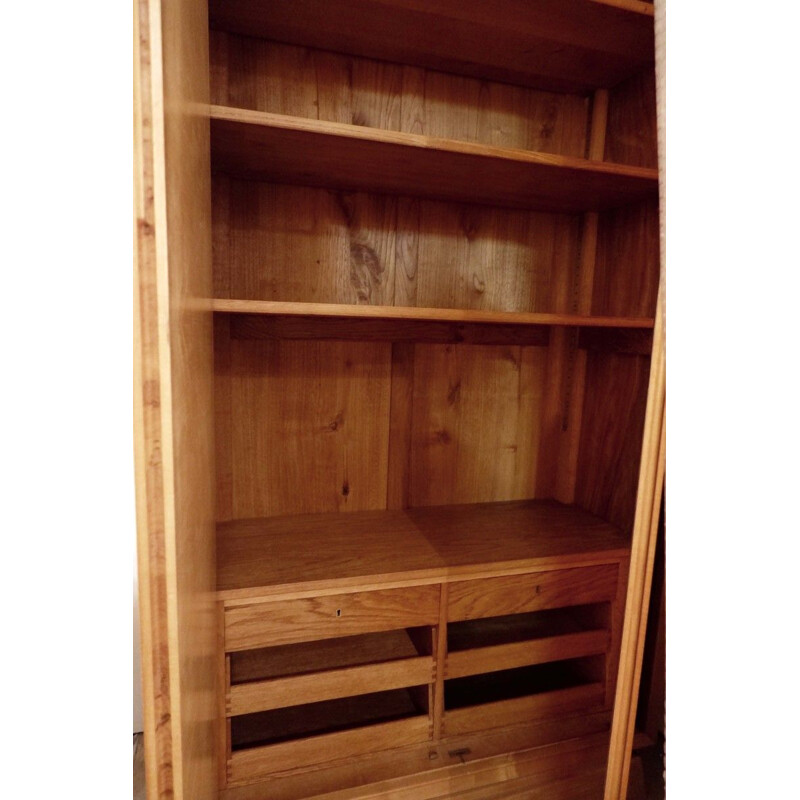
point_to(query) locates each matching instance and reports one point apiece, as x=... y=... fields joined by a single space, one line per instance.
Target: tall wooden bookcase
x=399 y=394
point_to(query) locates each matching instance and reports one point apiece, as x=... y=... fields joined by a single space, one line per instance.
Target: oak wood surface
x=521 y=709
x=330 y=549
x=304 y=414
x=650 y=486
x=331 y=616
x=285 y=149
x=325 y=654
x=279 y=692
x=493 y=756
x=278 y=78
x=282 y=308
x=559 y=45
x=482 y=660
x=174 y=399
x=247 y=765
x=518 y=594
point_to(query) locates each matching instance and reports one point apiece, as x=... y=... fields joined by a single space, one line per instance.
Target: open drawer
x=313 y=733
x=523 y=694
x=275 y=677
x=493 y=644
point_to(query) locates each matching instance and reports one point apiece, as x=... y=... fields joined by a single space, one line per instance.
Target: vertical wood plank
x=439 y=666
x=174 y=398
x=310 y=414
x=566 y=379
x=651 y=482
x=397 y=492
x=475 y=410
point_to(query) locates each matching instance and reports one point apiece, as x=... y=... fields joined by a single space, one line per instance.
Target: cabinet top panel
x=558 y=45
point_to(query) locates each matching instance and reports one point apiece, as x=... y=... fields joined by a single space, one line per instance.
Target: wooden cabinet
x=399 y=394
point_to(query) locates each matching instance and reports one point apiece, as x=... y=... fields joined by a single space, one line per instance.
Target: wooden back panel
x=285 y=79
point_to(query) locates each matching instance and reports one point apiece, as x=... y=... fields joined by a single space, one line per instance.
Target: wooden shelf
x=255 y=144
x=559 y=45
x=407 y=313
x=294 y=554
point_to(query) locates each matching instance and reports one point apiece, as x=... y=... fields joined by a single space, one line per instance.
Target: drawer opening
x=492 y=631
x=522 y=682
x=314 y=719
x=347 y=651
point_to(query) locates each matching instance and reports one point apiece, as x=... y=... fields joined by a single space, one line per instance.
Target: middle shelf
x=285 y=149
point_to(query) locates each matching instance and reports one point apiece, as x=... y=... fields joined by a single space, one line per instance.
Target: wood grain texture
x=558 y=45
x=475 y=423
x=425 y=314
x=613 y=418
x=324 y=655
x=518 y=594
x=412 y=774
x=284 y=149
x=288 y=244
x=280 y=692
x=248 y=765
x=626 y=271
x=307 y=414
x=402 y=331
x=632 y=135
x=566 y=365
x=481 y=660
x=650 y=488
x=174 y=400
x=521 y=709
x=284 y=622
x=283 y=79
x=432 y=544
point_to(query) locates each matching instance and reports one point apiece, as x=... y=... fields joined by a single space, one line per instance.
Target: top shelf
x=256 y=144
x=558 y=45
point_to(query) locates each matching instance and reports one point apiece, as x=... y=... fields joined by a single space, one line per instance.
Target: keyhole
x=338 y=612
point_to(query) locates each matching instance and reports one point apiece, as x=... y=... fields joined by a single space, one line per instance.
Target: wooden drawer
x=258 y=762
x=522 y=709
x=517 y=594
x=308 y=619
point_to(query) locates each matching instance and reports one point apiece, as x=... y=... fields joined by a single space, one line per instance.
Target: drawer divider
x=282 y=692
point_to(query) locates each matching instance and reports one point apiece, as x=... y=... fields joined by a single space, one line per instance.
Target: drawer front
x=312 y=618
x=522 y=709
x=259 y=762
x=518 y=594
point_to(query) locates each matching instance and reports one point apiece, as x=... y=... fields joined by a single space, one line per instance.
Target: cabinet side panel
x=174 y=350
x=611 y=435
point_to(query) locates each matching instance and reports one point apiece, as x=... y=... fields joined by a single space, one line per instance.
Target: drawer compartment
x=517 y=594
x=514 y=696
x=289 y=738
x=492 y=644
x=314 y=618
x=275 y=677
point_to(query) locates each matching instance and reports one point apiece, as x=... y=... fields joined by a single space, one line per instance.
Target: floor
x=647 y=776
x=139 y=792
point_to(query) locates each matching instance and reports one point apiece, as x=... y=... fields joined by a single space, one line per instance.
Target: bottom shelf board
x=407 y=771
x=311 y=551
